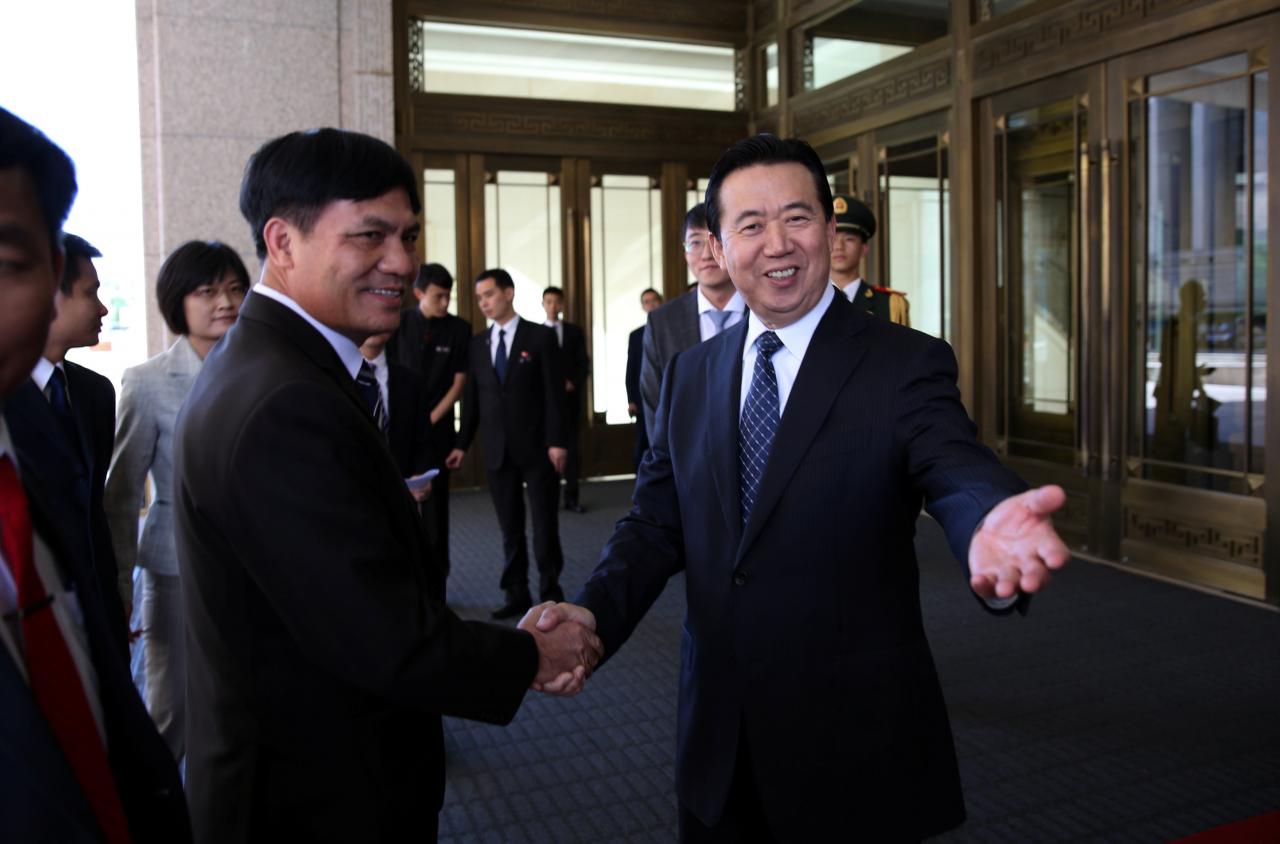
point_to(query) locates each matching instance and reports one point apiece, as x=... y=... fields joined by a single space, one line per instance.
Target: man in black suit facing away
x=435 y=343
x=515 y=397
x=786 y=473
x=650 y=300
x=405 y=419
x=63 y=423
x=80 y=760
x=573 y=348
x=320 y=661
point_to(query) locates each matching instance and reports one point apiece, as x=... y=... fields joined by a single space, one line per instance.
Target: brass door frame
x=1078 y=522
x=1213 y=539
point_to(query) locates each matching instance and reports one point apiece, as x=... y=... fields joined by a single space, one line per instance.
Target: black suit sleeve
x=650 y=374
x=647 y=546
x=318 y=545
x=635 y=354
x=471 y=396
x=577 y=364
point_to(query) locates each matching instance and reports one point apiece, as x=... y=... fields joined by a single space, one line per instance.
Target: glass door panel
x=915 y=229
x=626 y=258
x=440 y=222
x=1038 y=207
x=522 y=234
x=1198 y=171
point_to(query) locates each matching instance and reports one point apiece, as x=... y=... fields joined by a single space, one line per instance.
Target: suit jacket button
x=740 y=579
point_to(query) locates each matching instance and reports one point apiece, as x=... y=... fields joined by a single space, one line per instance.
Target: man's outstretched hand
x=1016 y=547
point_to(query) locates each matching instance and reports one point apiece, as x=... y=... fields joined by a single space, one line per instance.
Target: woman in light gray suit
x=199 y=290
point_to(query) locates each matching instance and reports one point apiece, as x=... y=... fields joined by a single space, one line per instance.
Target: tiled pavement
x=1120 y=709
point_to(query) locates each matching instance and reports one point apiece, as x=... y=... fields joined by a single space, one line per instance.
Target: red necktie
x=55 y=682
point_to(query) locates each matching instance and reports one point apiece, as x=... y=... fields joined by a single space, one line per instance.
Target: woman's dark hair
x=765 y=149
x=297 y=175
x=194 y=263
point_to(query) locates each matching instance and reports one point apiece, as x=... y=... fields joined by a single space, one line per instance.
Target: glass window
x=914 y=230
x=439 y=223
x=867 y=34
x=522 y=235
x=626 y=258
x=504 y=62
x=1200 y=220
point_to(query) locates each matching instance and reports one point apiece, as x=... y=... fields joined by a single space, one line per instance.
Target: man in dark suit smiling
x=786 y=471
x=320 y=657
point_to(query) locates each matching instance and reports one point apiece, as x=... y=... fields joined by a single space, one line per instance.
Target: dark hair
x=765 y=149
x=194 y=263
x=52 y=173
x=75 y=247
x=695 y=219
x=436 y=274
x=502 y=278
x=297 y=175
x=648 y=290
x=555 y=290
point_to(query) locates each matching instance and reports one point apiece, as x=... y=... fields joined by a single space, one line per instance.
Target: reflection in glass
x=914 y=233
x=1197 y=281
x=868 y=34
x=439 y=222
x=522 y=234
x=626 y=257
x=1041 y=212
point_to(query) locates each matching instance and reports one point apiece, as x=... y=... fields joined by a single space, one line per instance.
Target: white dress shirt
x=65 y=607
x=786 y=361
x=509 y=327
x=851 y=289
x=706 y=327
x=42 y=374
x=348 y=351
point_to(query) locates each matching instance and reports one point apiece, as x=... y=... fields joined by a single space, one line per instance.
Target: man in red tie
x=80 y=760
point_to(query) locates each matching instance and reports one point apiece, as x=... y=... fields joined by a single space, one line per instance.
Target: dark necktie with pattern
x=759 y=423
x=56 y=389
x=367 y=381
x=500 y=358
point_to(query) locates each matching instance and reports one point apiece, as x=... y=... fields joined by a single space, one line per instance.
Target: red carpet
x=1264 y=829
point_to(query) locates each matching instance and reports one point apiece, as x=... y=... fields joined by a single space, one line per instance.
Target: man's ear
x=279 y=236
x=717 y=251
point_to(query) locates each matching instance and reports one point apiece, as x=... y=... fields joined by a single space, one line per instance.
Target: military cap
x=853 y=216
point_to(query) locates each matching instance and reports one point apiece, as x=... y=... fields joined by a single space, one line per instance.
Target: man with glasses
x=698 y=315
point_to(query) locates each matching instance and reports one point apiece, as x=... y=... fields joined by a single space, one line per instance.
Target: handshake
x=568 y=647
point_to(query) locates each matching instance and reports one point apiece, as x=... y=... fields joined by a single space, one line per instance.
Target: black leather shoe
x=574 y=507
x=512 y=609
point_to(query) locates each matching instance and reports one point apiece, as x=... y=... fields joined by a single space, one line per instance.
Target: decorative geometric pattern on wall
x=846 y=106
x=1235 y=545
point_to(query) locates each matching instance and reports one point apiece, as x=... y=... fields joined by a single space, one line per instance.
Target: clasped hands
x=568 y=647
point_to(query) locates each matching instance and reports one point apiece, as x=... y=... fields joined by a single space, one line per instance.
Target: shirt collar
x=734 y=304
x=42 y=373
x=796 y=336
x=552 y=323
x=380 y=361
x=511 y=324
x=851 y=289
x=348 y=351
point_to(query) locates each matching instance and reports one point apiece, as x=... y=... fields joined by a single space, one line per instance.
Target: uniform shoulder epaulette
x=888 y=290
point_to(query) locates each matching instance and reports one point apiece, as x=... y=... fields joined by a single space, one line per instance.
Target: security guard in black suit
x=855 y=226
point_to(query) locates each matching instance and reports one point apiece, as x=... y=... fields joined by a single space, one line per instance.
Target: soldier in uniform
x=855 y=226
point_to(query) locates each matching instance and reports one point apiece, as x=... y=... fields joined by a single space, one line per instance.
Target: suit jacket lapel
x=30 y=404
x=724 y=387
x=827 y=366
x=82 y=412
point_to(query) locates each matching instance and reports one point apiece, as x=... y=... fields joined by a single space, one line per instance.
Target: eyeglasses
x=696 y=245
